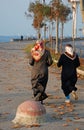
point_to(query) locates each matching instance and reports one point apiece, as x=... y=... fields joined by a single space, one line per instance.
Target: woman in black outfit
x=69 y=62
x=40 y=61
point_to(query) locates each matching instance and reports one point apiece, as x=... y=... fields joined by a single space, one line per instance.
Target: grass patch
x=28 y=48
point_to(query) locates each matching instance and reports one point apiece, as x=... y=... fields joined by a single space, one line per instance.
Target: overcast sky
x=14 y=22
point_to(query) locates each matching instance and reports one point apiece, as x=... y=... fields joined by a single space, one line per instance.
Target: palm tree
x=64 y=17
x=59 y=13
x=36 y=9
x=55 y=8
x=40 y=12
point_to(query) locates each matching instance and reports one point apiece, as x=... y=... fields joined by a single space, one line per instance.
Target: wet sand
x=15 y=88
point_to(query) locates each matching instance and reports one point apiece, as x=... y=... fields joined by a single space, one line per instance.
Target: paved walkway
x=15 y=88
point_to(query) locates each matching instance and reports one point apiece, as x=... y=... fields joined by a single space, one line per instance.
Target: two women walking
x=40 y=61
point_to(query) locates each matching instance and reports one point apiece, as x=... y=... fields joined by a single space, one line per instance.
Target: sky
x=14 y=22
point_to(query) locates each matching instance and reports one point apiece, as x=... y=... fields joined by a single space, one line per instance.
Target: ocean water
x=78 y=44
x=8 y=38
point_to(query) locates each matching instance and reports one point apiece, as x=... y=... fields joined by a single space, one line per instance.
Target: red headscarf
x=38 y=50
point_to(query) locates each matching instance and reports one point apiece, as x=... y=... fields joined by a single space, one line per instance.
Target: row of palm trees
x=55 y=12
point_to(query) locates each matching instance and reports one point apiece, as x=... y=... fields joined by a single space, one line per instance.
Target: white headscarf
x=69 y=50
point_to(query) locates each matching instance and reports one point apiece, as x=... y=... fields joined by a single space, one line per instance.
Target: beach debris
x=65 y=125
x=68 y=120
x=77 y=129
x=30 y=113
x=54 y=97
x=76 y=118
x=34 y=125
x=16 y=126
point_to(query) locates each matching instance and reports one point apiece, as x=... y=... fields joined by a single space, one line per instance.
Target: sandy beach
x=15 y=88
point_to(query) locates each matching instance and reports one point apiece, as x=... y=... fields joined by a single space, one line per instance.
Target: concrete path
x=15 y=88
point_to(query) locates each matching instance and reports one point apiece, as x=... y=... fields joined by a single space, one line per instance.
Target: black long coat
x=39 y=74
x=69 y=73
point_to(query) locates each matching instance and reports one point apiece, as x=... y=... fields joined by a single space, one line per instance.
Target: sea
x=78 y=44
x=8 y=38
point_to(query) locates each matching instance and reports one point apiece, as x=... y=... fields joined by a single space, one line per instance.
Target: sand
x=15 y=88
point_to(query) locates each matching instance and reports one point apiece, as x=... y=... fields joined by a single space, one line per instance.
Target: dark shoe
x=37 y=97
x=44 y=96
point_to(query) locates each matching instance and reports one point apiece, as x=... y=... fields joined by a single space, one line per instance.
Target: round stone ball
x=30 y=112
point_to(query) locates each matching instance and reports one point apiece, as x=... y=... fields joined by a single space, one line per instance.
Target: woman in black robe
x=69 y=61
x=39 y=75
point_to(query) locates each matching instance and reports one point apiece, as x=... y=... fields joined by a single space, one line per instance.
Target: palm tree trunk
x=39 y=34
x=62 y=28
x=45 y=32
x=56 y=48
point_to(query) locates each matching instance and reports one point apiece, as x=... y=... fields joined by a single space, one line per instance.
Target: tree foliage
x=59 y=13
x=39 y=12
x=56 y=11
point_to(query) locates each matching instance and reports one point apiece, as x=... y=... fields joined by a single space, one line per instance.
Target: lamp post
x=74 y=4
